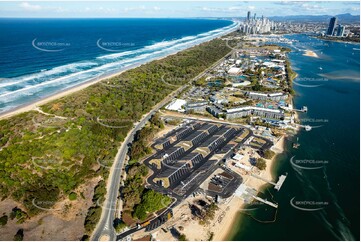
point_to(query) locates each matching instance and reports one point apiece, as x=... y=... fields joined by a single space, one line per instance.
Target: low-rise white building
x=176 y=105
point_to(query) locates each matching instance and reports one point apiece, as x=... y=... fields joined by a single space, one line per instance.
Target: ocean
x=320 y=199
x=41 y=57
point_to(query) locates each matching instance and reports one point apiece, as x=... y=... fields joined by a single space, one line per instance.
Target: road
x=104 y=229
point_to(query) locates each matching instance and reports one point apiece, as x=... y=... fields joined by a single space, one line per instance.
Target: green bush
x=3 y=220
x=73 y=196
x=19 y=236
x=269 y=154
x=152 y=201
x=261 y=164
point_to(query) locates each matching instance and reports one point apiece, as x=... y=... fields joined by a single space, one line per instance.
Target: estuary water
x=320 y=197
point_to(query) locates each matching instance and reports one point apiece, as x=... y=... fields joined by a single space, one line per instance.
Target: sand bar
x=310 y=53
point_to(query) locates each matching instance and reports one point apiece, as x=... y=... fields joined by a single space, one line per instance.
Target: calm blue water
x=42 y=56
x=330 y=87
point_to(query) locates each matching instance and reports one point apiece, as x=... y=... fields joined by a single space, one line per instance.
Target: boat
x=320 y=68
x=308 y=128
x=296 y=145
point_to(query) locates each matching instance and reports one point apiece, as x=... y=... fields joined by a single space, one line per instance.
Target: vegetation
x=290 y=74
x=182 y=237
x=136 y=198
x=19 y=214
x=46 y=158
x=119 y=225
x=140 y=146
x=211 y=236
x=3 y=220
x=95 y=211
x=341 y=39
x=151 y=202
x=73 y=196
x=208 y=214
x=261 y=164
x=19 y=236
x=269 y=154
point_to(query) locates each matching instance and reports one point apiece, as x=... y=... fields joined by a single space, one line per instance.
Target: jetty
x=266 y=201
x=304 y=109
x=277 y=185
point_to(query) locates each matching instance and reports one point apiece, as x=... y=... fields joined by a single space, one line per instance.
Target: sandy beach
x=225 y=229
x=310 y=53
x=34 y=105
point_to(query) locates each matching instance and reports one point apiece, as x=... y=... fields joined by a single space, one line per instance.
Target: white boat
x=320 y=68
x=308 y=128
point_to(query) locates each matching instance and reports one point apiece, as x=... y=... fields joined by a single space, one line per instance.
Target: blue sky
x=164 y=9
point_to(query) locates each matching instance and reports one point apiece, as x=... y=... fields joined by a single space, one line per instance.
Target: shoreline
x=226 y=230
x=33 y=105
x=235 y=216
x=71 y=90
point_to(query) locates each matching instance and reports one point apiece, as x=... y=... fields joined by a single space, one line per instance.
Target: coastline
x=233 y=217
x=33 y=105
x=225 y=230
x=66 y=92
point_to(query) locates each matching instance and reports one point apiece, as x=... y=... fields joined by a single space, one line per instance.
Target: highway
x=104 y=228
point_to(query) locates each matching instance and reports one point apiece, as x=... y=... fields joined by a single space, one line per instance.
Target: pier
x=266 y=201
x=277 y=185
x=304 y=109
x=248 y=194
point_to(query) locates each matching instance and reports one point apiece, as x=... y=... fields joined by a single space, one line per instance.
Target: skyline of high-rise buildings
x=335 y=29
x=257 y=25
x=332 y=26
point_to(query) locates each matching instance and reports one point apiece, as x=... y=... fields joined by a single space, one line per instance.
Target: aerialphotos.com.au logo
x=235 y=48
x=309 y=82
x=105 y=207
x=114 y=123
x=307 y=122
x=49 y=46
x=113 y=46
x=115 y=84
x=49 y=122
x=46 y=205
x=49 y=163
x=308 y=206
x=255 y=205
x=172 y=80
x=106 y=163
x=308 y=164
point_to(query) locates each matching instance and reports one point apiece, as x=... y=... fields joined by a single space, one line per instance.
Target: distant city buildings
x=332 y=26
x=333 y=30
x=257 y=25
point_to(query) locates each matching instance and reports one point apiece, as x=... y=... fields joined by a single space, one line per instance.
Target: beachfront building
x=241 y=112
x=268 y=113
x=267 y=96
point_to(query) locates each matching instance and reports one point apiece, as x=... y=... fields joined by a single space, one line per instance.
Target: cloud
x=30 y=7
